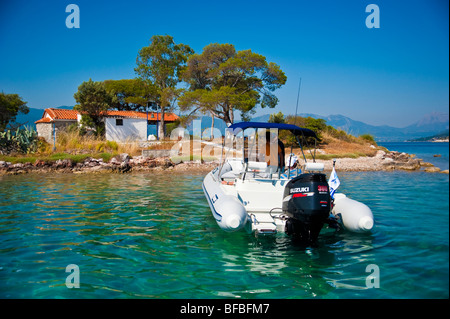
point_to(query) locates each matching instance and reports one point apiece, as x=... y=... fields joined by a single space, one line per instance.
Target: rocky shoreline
x=123 y=163
x=383 y=161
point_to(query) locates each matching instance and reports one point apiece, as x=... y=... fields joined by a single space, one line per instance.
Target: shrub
x=368 y=138
x=22 y=140
x=112 y=145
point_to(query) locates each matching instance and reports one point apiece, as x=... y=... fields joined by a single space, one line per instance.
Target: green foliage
x=112 y=145
x=130 y=94
x=162 y=61
x=222 y=80
x=10 y=106
x=340 y=134
x=276 y=118
x=368 y=138
x=316 y=125
x=93 y=101
x=23 y=140
x=159 y=66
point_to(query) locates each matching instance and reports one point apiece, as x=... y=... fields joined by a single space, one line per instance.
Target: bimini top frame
x=237 y=128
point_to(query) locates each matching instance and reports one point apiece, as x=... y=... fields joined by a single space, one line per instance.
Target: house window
x=119 y=122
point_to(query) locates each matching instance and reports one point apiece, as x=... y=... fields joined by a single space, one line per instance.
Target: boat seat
x=229 y=176
x=257 y=166
x=313 y=167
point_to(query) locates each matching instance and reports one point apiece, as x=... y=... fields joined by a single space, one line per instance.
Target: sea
x=152 y=235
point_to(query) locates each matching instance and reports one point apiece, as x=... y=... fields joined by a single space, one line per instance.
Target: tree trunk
x=231 y=116
x=161 y=130
x=212 y=126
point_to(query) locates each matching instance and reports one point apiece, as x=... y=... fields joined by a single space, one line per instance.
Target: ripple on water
x=148 y=236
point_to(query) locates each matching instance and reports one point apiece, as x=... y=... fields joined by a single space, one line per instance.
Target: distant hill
x=441 y=136
x=29 y=119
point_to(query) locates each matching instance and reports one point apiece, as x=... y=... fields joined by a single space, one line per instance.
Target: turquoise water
x=149 y=235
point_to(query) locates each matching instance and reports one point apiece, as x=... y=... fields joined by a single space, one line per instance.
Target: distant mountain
x=28 y=119
x=431 y=124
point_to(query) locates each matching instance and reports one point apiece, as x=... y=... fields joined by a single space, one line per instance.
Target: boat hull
x=244 y=209
x=353 y=215
x=227 y=210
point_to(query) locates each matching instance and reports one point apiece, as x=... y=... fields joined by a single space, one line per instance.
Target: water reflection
x=307 y=271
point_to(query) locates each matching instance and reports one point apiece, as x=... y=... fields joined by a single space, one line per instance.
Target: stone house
x=54 y=120
x=120 y=126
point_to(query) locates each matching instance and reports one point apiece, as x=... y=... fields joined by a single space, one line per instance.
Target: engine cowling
x=306 y=201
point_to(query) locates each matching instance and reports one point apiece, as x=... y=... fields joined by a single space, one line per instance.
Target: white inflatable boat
x=256 y=189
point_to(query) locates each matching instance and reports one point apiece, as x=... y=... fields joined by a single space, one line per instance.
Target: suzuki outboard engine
x=306 y=201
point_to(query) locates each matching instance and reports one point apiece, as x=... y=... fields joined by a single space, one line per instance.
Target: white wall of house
x=130 y=130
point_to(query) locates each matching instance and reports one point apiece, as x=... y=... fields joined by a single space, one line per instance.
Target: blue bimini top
x=237 y=127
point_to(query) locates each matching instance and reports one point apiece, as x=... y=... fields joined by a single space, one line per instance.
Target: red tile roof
x=168 y=117
x=44 y=120
x=63 y=114
x=57 y=114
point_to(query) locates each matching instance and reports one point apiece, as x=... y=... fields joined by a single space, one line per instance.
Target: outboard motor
x=306 y=201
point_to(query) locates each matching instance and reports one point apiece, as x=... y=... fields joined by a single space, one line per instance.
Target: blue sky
x=392 y=75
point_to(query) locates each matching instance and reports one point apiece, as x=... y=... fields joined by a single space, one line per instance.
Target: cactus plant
x=23 y=140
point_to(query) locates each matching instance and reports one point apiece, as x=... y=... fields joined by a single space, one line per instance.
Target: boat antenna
x=298 y=96
x=295 y=122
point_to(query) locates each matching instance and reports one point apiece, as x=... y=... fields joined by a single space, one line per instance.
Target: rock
x=65 y=163
x=124 y=157
x=40 y=163
x=410 y=165
x=432 y=169
x=138 y=160
x=3 y=164
x=380 y=154
x=425 y=164
x=168 y=163
x=95 y=168
x=445 y=171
